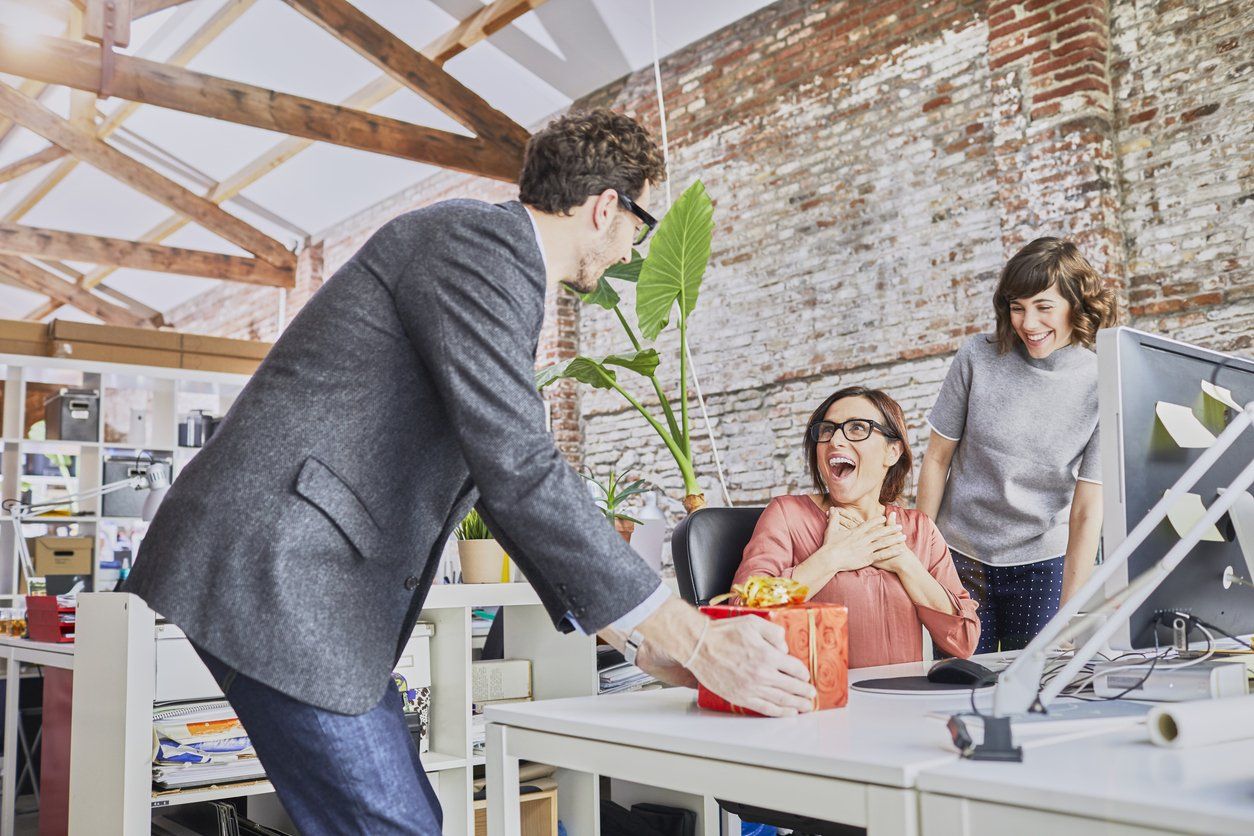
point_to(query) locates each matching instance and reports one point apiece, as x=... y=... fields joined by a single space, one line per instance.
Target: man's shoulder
x=467 y=212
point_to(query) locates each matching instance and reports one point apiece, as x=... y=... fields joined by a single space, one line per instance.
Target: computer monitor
x=1141 y=460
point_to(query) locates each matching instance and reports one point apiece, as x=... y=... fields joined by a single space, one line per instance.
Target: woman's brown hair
x=890 y=411
x=1047 y=262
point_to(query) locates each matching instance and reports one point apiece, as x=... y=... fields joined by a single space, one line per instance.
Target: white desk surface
x=1119 y=775
x=877 y=738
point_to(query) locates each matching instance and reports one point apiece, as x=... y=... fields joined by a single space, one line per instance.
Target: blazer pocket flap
x=319 y=484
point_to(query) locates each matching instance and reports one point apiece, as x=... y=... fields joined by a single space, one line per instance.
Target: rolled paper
x=1202 y=722
x=765 y=591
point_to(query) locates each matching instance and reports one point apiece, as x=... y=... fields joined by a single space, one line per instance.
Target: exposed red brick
x=1198 y=113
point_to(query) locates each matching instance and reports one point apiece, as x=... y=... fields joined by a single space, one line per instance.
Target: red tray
x=43 y=619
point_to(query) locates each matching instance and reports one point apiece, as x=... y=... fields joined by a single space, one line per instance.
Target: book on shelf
x=500 y=679
x=199 y=743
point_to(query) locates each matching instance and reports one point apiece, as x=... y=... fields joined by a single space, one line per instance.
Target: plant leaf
x=583 y=369
x=677 y=261
x=643 y=362
x=628 y=272
x=604 y=296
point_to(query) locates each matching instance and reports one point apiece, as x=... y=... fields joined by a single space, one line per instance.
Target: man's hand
x=744 y=660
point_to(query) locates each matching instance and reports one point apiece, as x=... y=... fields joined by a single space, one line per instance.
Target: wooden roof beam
x=31 y=162
x=77 y=65
x=67 y=293
x=73 y=246
x=472 y=30
x=414 y=70
x=84 y=145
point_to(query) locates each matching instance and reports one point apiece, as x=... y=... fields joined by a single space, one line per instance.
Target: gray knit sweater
x=1026 y=431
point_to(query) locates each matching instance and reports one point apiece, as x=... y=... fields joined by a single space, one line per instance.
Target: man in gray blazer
x=296 y=549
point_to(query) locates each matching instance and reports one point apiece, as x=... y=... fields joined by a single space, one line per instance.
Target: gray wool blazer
x=298 y=545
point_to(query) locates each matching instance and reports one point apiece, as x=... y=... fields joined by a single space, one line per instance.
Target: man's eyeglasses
x=647 y=222
x=855 y=429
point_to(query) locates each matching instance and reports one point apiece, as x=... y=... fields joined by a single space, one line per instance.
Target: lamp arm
x=135 y=483
x=1018 y=686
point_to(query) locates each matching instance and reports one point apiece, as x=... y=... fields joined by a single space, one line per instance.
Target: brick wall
x=873 y=164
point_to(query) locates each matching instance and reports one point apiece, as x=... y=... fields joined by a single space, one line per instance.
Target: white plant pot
x=482 y=560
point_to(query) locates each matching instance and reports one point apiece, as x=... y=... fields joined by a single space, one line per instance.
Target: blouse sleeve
x=949 y=414
x=956 y=634
x=769 y=551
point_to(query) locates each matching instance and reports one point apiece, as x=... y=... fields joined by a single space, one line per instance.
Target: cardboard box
x=224 y=347
x=116 y=354
x=500 y=679
x=21 y=337
x=61 y=555
x=114 y=335
x=219 y=363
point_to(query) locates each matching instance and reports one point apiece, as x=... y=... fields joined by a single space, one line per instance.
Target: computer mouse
x=960 y=672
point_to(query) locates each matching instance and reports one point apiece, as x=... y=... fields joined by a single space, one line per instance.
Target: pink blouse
x=884 y=623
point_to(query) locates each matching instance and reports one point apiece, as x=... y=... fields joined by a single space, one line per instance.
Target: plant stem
x=657 y=387
x=681 y=459
x=685 y=439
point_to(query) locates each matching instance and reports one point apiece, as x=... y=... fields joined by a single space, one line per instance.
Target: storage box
x=500 y=679
x=817 y=634
x=125 y=503
x=224 y=347
x=412 y=675
x=108 y=353
x=61 y=555
x=48 y=620
x=21 y=337
x=114 y=335
x=219 y=363
x=72 y=415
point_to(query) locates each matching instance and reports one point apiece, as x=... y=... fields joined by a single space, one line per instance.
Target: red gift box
x=818 y=635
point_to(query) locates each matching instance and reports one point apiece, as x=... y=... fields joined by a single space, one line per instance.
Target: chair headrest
x=707 y=547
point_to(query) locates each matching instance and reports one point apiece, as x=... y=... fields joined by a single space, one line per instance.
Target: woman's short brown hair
x=1047 y=262
x=582 y=154
x=897 y=476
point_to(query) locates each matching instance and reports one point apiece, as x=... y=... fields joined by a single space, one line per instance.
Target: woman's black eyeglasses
x=647 y=222
x=855 y=429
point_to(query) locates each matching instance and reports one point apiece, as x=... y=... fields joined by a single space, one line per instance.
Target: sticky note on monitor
x=1219 y=393
x=1182 y=425
x=1186 y=513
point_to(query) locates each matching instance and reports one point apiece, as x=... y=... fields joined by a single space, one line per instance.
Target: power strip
x=1212 y=679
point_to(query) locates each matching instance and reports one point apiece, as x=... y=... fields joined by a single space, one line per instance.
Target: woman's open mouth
x=841 y=467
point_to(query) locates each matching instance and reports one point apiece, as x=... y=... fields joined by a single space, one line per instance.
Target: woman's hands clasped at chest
x=853 y=544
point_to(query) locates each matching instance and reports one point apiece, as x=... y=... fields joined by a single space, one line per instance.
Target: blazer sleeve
x=959 y=633
x=769 y=551
x=471 y=301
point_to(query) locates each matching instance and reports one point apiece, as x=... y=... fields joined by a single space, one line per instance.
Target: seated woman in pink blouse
x=850 y=545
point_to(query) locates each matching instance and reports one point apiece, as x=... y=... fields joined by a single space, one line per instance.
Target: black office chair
x=707 y=547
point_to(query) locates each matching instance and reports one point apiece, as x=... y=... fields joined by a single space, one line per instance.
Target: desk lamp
x=1019 y=689
x=155 y=479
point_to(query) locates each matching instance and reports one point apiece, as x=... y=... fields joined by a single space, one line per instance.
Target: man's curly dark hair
x=582 y=154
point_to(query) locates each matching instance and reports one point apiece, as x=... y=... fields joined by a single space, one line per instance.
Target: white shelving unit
x=140 y=409
x=125 y=660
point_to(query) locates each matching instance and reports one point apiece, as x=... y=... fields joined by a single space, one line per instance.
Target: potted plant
x=612 y=494
x=482 y=558
x=669 y=276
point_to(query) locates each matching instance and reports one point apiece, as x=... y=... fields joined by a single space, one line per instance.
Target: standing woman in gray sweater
x=1011 y=475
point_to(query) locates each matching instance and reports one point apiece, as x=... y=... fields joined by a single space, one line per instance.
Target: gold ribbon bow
x=764 y=591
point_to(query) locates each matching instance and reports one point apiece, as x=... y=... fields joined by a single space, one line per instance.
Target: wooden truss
x=495 y=149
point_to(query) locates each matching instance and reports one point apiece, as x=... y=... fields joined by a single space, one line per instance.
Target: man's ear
x=604 y=205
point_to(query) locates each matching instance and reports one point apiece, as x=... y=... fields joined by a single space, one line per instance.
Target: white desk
x=1111 y=784
x=15 y=652
x=856 y=765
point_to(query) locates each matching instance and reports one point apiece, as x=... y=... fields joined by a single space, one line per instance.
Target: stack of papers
x=616 y=675
x=200 y=743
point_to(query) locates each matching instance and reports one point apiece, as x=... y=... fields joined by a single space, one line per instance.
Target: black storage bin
x=72 y=415
x=124 y=503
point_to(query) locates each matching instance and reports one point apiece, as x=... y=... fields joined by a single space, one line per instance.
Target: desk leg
x=892 y=812
x=504 y=815
x=12 y=691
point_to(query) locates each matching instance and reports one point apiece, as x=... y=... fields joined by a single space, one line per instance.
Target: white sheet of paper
x=1183 y=425
x=1219 y=393
x=1242 y=516
x=1185 y=514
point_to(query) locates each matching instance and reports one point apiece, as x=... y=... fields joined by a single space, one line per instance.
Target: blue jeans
x=1016 y=602
x=335 y=773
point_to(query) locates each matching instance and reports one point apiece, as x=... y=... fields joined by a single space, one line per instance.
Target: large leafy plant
x=669 y=278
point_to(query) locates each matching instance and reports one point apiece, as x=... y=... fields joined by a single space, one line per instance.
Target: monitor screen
x=1156 y=417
